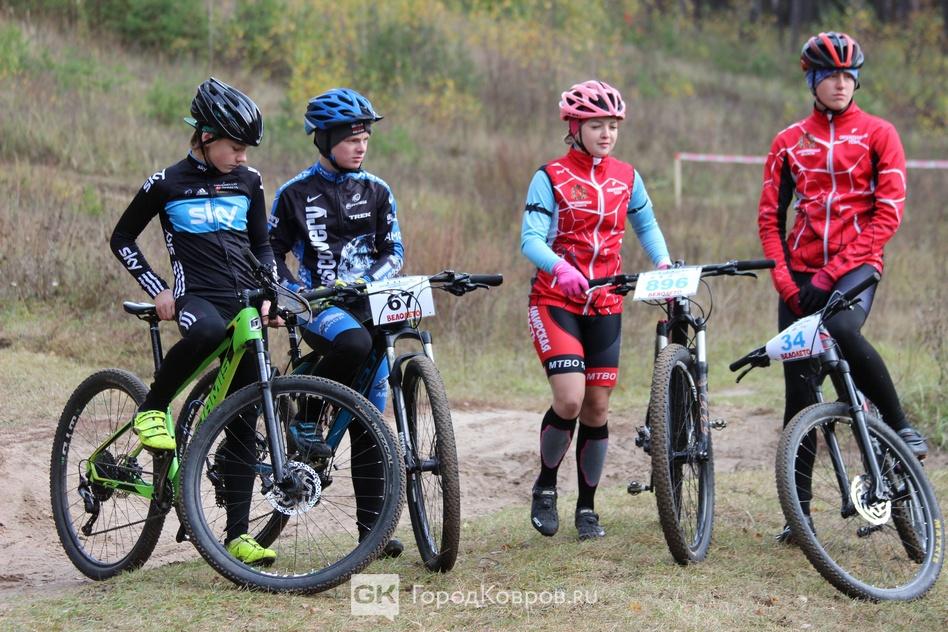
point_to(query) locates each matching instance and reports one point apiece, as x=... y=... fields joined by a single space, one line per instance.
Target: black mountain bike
x=394 y=309
x=110 y=496
x=857 y=500
x=677 y=430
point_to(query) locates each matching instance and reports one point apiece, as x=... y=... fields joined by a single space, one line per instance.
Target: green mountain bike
x=110 y=496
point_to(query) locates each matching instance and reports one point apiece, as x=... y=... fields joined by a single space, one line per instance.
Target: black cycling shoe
x=587 y=523
x=392 y=549
x=543 y=514
x=915 y=441
x=786 y=535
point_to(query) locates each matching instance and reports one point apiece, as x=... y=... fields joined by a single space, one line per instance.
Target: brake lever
x=744 y=372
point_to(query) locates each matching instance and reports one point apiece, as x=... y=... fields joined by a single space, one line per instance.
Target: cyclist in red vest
x=843 y=170
x=573 y=226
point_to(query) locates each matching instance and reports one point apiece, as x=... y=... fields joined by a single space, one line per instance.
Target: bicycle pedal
x=719 y=423
x=637 y=487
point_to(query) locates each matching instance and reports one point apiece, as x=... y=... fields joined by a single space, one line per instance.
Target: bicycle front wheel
x=99 y=479
x=329 y=519
x=434 y=486
x=682 y=460
x=867 y=548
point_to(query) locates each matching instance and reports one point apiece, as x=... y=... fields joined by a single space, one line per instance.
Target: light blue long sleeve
x=538 y=223
x=646 y=228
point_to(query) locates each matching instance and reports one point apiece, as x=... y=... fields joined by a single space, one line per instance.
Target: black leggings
x=866 y=365
x=203 y=326
x=868 y=369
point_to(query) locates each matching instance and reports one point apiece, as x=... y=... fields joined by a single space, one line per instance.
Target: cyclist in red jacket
x=843 y=170
x=573 y=224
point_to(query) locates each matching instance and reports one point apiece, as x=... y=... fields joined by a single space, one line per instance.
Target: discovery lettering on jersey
x=318 y=236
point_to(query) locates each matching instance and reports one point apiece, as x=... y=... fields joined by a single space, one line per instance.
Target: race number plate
x=799 y=340
x=400 y=299
x=670 y=283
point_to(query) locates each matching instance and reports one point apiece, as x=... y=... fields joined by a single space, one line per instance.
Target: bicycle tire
x=863 y=557
x=128 y=526
x=434 y=496
x=310 y=557
x=682 y=474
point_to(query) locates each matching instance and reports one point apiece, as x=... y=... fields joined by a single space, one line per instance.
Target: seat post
x=156 y=352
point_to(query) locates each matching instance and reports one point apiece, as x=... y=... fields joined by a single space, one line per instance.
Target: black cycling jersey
x=338 y=225
x=208 y=218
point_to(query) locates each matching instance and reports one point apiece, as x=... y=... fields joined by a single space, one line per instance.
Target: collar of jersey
x=201 y=166
x=851 y=110
x=330 y=176
x=584 y=160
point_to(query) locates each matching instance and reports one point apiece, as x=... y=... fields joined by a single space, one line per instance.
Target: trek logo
x=130 y=257
x=318 y=236
x=538 y=330
x=360 y=216
x=159 y=175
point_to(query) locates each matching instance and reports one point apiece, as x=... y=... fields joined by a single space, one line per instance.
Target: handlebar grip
x=756 y=264
x=318 y=293
x=738 y=364
x=251 y=259
x=859 y=289
x=601 y=281
x=492 y=280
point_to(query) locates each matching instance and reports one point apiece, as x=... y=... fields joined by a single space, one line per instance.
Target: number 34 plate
x=670 y=283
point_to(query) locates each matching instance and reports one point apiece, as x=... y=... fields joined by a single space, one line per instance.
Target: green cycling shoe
x=150 y=427
x=245 y=549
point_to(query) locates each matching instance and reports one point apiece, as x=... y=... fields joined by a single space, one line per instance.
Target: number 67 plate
x=399 y=299
x=670 y=283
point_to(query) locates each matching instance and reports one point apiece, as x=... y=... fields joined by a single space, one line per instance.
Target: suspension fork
x=277 y=454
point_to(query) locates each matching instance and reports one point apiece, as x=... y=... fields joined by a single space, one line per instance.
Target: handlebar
x=865 y=285
x=754 y=357
x=457 y=283
x=732 y=267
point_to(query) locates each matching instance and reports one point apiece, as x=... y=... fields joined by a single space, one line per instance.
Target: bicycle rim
x=682 y=465
x=879 y=551
x=433 y=489
x=341 y=511
x=103 y=530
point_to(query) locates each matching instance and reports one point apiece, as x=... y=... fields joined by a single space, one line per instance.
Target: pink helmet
x=591 y=99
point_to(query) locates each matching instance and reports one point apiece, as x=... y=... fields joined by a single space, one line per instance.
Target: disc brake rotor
x=305 y=498
x=875 y=514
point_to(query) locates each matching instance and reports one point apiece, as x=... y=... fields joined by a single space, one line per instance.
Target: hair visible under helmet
x=829 y=53
x=336 y=115
x=222 y=110
x=586 y=100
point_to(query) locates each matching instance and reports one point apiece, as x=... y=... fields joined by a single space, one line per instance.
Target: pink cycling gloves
x=573 y=283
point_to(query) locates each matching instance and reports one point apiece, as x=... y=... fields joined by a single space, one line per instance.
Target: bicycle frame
x=384 y=339
x=244 y=332
x=675 y=330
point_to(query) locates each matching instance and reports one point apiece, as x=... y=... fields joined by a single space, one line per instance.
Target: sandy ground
x=497 y=450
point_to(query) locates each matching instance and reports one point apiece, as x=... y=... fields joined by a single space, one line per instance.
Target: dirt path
x=498 y=455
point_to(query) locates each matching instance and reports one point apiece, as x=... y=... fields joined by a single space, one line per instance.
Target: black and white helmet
x=227 y=111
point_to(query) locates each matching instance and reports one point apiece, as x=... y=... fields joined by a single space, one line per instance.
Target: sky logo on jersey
x=210 y=214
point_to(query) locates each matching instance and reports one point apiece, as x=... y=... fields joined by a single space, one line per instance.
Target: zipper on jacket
x=829 y=198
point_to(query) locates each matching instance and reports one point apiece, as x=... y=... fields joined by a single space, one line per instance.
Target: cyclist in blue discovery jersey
x=340 y=223
x=211 y=207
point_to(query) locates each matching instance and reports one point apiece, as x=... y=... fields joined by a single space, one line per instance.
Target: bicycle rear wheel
x=104 y=527
x=682 y=459
x=331 y=522
x=434 y=487
x=891 y=550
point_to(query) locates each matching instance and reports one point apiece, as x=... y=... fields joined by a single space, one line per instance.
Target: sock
x=556 y=434
x=591 y=444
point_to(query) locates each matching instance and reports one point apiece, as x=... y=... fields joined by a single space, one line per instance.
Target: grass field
x=627 y=581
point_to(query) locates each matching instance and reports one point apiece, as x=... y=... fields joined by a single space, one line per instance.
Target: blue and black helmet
x=339 y=106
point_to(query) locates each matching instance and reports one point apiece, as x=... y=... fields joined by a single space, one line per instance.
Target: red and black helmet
x=831 y=51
